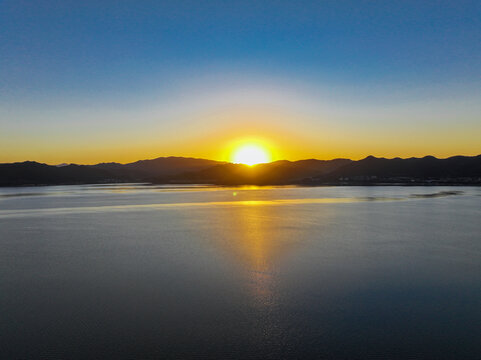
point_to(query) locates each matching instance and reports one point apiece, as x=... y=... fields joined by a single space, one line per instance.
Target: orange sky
x=328 y=79
x=291 y=125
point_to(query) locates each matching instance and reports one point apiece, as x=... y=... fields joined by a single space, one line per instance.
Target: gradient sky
x=94 y=81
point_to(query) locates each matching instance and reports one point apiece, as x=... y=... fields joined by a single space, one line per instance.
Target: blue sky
x=150 y=63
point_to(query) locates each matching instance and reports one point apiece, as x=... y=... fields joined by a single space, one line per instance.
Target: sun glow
x=251 y=154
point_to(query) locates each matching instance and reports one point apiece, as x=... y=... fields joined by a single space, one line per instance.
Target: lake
x=132 y=271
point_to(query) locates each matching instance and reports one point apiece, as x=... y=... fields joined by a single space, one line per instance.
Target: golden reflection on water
x=261 y=238
x=258 y=251
x=159 y=206
x=258 y=245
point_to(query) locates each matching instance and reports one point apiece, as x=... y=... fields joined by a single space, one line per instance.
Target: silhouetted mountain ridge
x=280 y=172
x=143 y=170
x=427 y=167
x=370 y=170
x=34 y=173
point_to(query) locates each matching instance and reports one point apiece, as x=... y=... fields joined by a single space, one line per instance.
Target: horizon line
x=230 y=162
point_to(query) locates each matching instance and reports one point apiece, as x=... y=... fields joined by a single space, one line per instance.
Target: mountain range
x=34 y=173
x=371 y=170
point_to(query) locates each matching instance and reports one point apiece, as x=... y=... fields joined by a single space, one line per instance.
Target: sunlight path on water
x=140 y=207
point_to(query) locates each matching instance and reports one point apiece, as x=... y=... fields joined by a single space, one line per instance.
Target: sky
x=100 y=81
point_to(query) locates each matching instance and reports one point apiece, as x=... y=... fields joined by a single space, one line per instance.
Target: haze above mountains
x=179 y=170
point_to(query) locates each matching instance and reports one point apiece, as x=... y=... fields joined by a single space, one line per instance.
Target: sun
x=250 y=154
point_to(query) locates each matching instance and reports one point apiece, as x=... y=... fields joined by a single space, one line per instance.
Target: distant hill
x=34 y=173
x=369 y=171
x=275 y=173
x=145 y=170
x=456 y=169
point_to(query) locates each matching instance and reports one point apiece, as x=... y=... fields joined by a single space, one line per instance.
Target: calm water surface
x=152 y=272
